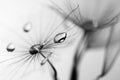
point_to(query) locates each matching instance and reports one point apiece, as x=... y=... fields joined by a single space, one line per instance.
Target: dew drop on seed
x=27 y=27
x=60 y=37
x=10 y=47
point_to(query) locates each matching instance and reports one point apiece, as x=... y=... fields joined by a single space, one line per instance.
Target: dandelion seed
x=91 y=25
x=35 y=49
x=10 y=47
x=29 y=52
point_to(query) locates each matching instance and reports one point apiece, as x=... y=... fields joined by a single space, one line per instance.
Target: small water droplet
x=60 y=37
x=10 y=47
x=27 y=27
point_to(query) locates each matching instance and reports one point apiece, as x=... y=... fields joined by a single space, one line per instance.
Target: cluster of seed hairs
x=107 y=19
x=38 y=50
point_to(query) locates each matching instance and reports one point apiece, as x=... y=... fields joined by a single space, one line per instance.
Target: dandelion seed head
x=85 y=18
x=37 y=47
x=10 y=47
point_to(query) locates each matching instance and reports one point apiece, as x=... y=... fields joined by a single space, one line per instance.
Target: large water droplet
x=10 y=47
x=27 y=27
x=60 y=37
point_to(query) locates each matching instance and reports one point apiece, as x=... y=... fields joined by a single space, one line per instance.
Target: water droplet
x=10 y=47
x=60 y=37
x=27 y=27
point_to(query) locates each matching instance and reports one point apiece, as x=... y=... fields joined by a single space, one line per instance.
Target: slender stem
x=55 y=71
x=79 y=53
x=98 y=78
x=53 y=68
x=104 y=70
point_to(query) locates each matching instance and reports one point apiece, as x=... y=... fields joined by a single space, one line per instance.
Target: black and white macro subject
x=35 y=45
x=59 y=39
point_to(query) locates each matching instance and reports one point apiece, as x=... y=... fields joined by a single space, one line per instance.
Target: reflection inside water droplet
x=60 y=37
x=10 y=47
x=27 y=27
